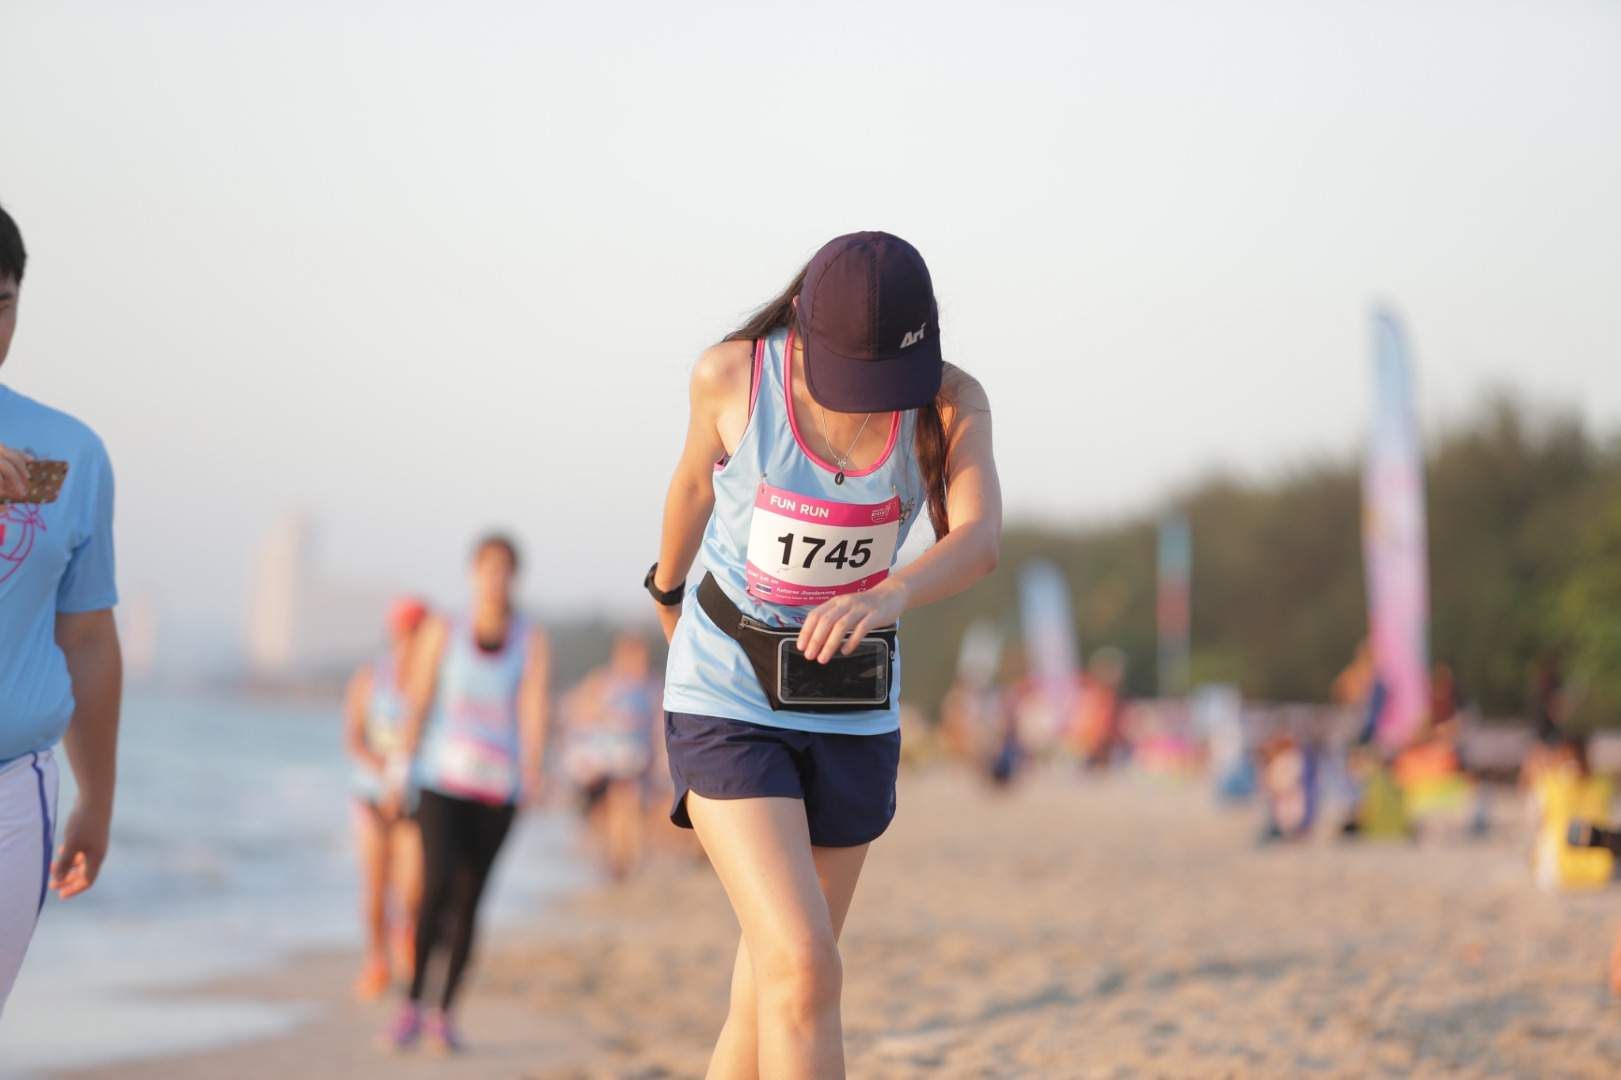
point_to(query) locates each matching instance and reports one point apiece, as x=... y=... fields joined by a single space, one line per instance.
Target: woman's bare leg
x=371 y=845
x=737 y=1052
x=791 y=900
x=405 y=860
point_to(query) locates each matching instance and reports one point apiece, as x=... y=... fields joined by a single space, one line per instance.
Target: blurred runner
x=60 y=670
x=385 y=835
x=610 y=721
x=967 y=712
x=1289 y=787
x=1094 y=731
x=1438 y=789
x=477 y=730
x=1008 y=745
x=1550 y=707
x=1359 y=771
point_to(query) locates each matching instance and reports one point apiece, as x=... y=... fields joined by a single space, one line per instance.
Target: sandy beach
x=1066 y=929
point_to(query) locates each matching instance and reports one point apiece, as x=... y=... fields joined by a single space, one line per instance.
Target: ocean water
x=230 y=851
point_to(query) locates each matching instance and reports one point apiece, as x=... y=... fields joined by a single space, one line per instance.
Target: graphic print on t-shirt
x=18 y=524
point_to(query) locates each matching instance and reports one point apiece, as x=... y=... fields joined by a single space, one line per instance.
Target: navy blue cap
x=870 y=326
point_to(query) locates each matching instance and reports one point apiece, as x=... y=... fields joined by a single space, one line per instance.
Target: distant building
x=300 y=625
x=138 y=620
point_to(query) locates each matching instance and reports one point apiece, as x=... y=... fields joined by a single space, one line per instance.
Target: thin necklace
x=841 y=460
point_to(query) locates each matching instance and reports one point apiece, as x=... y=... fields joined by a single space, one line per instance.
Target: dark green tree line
x=1525 y=557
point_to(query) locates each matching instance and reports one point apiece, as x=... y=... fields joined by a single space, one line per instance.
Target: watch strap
x=665 y=597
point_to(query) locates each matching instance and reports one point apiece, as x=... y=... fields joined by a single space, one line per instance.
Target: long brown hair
x=930 y=440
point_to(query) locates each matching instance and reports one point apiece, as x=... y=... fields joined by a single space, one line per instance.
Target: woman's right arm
x=718 y=401
x=422 y=679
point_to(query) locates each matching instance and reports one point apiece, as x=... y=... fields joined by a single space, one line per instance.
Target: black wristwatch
x=672 y=598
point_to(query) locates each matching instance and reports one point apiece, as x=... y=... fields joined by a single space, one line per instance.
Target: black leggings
x=460 y=839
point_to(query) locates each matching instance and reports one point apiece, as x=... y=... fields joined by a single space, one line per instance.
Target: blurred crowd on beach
x=1312 y=773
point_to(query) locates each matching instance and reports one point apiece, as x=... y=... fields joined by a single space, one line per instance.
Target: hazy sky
x=428 y=268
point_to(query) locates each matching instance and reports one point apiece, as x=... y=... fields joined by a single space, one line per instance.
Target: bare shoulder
x=724 y=369
x=963 y=392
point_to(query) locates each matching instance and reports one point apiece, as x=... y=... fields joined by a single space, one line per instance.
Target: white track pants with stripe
x=27 y=824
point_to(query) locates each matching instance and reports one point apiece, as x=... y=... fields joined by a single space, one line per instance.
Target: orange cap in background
x=405 y=615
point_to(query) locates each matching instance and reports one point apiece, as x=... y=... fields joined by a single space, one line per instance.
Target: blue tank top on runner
x=470 y=744
x=385 y=718
x=784 y=535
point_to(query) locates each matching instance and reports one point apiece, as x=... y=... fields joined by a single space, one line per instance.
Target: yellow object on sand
x=1564 y=795
x=1432 y=782
x=1383 y=809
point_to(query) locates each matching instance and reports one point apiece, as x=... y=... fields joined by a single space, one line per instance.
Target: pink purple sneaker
x=438 y=1034
x=403 y=1031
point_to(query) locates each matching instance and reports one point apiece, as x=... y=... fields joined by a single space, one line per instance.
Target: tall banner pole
x=1049 y=642
x=1173 y=608
x=1394 y=545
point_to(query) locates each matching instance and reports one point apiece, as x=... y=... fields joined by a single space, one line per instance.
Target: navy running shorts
x=846 y=781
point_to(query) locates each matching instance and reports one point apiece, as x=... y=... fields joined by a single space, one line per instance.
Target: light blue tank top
x=385 y=715
x=470 y=743
x=776 y=474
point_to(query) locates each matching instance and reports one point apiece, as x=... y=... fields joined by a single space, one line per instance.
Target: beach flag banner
x=1175 y=572
x=1049 y=641
x=980 y=653
x=1394 y=545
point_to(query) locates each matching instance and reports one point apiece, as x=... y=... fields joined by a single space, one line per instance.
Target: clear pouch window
x=860 y=679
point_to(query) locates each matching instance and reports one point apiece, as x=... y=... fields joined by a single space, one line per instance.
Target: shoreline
x=106 y=987
x=1068 y=928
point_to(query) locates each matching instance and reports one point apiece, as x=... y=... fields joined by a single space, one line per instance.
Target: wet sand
x=1064 y=930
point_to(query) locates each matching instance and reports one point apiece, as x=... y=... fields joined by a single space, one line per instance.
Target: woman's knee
x=803 y=975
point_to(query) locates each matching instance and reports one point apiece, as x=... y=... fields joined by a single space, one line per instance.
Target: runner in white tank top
x=782 y=744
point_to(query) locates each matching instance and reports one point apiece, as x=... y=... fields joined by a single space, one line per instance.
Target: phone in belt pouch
x=861 y=678
x=44 y=483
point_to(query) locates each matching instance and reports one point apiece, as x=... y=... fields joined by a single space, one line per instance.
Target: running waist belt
x=859 y=682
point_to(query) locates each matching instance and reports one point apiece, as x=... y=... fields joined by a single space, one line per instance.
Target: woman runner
x=477 y=730
x=385 y=836
x=818 y=433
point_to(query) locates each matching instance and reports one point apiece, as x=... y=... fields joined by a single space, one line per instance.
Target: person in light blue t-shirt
x=60 y=671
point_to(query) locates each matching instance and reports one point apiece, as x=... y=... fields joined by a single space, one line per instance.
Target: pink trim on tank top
x=759 y=366
x=788 y=403
x=754 y=396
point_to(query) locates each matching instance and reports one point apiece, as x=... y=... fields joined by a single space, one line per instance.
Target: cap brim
x=843 y=384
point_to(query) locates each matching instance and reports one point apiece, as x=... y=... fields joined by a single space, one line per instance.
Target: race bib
x=476 y=769
x=803 y=551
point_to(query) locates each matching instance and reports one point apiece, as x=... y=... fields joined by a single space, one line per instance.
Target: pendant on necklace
x=838 y=477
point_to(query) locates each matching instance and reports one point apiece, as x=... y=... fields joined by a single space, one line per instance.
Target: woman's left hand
x=847 y=619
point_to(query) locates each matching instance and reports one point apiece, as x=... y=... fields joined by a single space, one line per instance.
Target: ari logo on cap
x=913 y=337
